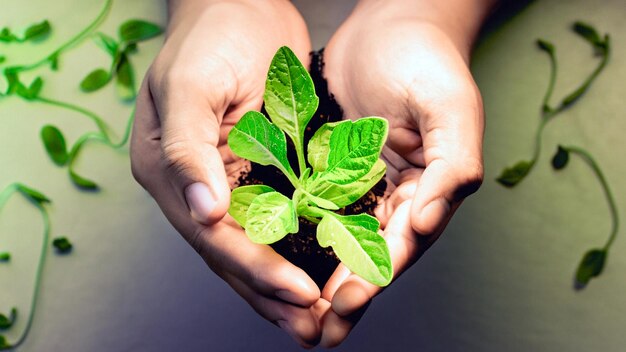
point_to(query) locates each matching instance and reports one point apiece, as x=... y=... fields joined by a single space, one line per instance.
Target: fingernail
x=200 y=201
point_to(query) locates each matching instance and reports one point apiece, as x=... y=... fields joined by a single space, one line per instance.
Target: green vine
x=594 y=260
x=121 y=71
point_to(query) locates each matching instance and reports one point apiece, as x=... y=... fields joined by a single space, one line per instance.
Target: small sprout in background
x=35 y=32
x=130 y=33
x=54 y=142
x=4 y=344
x=590 y=266
x=594 y=260
x=62 y=245
x=344 y=165
x=513 y=175
x=5 y=256
x=7 y=321
x=560 y=159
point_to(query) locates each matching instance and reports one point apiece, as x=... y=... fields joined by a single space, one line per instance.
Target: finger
x=302 y=324
x=190 y=133
x=336 y=328
x=228 y=251
x=453 y=155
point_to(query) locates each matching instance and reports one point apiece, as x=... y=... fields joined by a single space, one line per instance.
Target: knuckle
x=176 y=157
x=470 y=178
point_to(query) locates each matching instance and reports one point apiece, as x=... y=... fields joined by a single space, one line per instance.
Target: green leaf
x=95 y=80
x=345 y=194
x=354 y=148
x=319 y=147
x=545 y=46
x=2 y=59
x=37 y=31
x=32 y=194
x=4 y=344
x=54 y=142
x=53 y=60
x=106 y=43
x=590 y=266
x=320 y=202
x=7 y=322
x=588 y=32
x=5 y=256
x=31 y=92
x=290 y=98
x=62 y=245
x=7 y=36
x=82 y=182
x=513 y=175
x=560 y=159
x=360 y=248
x=258 y=140
x=270 y=217
x=241 y=198
x=133 y=31
x=125 y=79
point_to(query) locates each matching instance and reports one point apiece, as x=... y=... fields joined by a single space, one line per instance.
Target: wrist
x=460 y=20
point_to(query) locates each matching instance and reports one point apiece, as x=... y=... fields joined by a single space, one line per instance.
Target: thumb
x=189 y=138
x=454 y=169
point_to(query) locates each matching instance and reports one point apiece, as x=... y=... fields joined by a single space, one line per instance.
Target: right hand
x=210 y=71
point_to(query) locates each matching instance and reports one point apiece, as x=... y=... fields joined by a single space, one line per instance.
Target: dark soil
x=302 y=248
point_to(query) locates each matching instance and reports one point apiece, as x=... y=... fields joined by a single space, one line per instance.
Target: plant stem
x=102 y=126
x=300 y=151
x=586 y=156
x=4 y=196
x=71 y=42
x=551 y=82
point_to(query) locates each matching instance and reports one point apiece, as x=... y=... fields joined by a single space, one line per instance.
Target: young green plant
x=512 y=175
x=343 y=165
x=593 y=261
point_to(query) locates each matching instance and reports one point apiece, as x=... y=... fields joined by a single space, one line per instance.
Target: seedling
x=343 y=165
x=601 y=45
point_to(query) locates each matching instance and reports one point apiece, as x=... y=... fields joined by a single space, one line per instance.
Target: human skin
x=408 y=60
x=212 y=69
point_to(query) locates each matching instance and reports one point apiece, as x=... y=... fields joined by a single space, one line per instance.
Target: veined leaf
x=256 y=139
x=54 y=142
x=133 y=31
x=270 y=217
x=241 y=198
x=290 y=98
x=354 y=148
x=319 y=147
x=360 y=248
x=95 y=80
x=345 y=194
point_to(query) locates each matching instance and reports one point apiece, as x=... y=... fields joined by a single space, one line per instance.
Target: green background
x=501 y=277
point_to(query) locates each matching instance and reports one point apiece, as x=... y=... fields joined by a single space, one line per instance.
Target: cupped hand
x=386 y=62
x=210 y=71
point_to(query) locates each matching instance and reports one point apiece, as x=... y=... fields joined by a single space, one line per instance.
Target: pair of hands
x=382 y=61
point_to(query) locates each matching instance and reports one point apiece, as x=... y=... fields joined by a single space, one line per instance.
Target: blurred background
x=500 y=278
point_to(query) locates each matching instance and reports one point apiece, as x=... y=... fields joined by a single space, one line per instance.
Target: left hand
x=413 y=71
